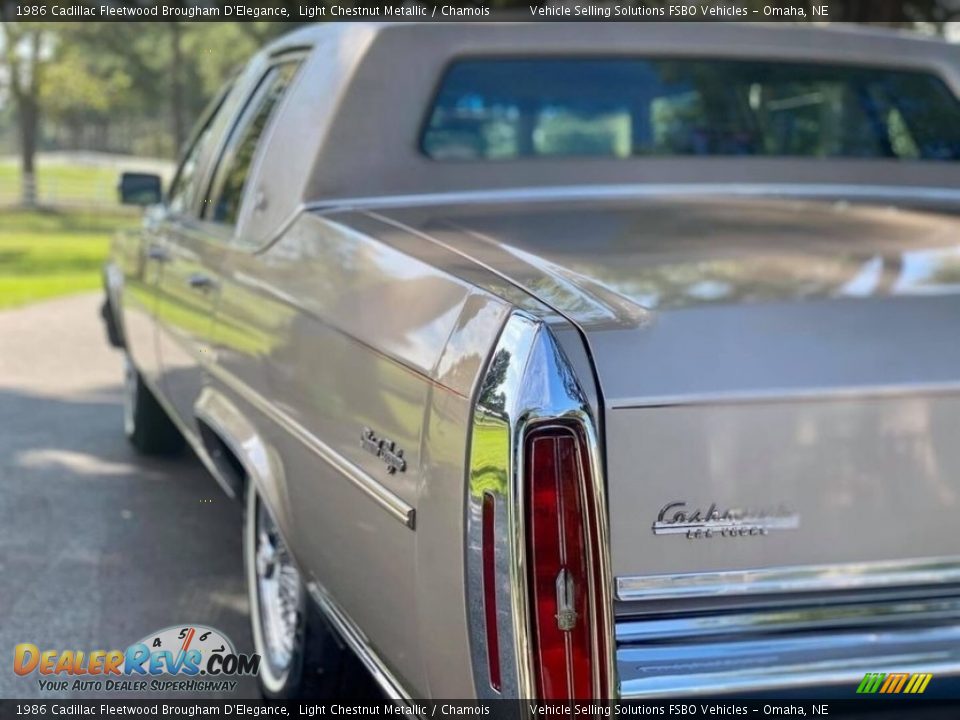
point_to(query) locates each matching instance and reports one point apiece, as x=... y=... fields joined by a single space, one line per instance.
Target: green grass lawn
x=48 y=253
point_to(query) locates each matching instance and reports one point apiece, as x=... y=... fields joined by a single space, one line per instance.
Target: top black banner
x=888 y=12
x=685 y=709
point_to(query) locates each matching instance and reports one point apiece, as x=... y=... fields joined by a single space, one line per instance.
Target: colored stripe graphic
x=894 y=683
x=918 y=683
x=870 y=683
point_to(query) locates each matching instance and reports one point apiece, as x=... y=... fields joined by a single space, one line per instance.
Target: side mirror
x=140 y=189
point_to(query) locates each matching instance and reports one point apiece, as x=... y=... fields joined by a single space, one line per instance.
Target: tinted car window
x=231 y=178
x=183 y=191
x=621 y=107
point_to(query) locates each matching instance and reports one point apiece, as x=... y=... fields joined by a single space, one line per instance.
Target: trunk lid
x=833 y=423
x=791 y=364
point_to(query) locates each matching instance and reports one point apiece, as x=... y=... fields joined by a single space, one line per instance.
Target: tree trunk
x=76 y=133
x=28 y=117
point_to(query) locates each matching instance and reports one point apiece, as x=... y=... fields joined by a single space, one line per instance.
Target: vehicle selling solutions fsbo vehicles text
x=607 y=11
x=707 y=12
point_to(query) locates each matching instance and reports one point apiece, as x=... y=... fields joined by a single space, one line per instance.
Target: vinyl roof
x=352 y=125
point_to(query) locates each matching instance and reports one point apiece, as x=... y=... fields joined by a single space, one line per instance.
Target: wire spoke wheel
x=279 y=589
x=130 y=391
x=301 y=657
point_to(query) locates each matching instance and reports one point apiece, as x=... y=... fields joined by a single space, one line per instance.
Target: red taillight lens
x=490 y=589
x=564 y=627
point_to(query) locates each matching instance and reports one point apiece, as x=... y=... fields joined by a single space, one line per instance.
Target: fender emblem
x=384 y=449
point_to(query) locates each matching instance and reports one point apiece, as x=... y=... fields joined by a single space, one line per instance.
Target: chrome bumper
x=746 y=644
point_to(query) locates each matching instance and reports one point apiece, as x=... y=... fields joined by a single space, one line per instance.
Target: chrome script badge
x=677 y=518
x=384 y=449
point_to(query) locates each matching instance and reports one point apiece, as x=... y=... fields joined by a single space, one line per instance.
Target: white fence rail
x=76 y=179
x=56 y=192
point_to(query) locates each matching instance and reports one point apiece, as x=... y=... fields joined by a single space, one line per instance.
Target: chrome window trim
x=393 y=505
x=528 y=383
x=799 y=579
x=245 y=208
x=643 y=190
x=813 y=394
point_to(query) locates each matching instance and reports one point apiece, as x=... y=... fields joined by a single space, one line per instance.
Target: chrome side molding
x=800 y=579
x=395 y=506
x=354 y=637
x=812 y=394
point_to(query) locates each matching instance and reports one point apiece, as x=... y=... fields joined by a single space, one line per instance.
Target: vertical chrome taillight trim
x=528 y=381
x=491 y=471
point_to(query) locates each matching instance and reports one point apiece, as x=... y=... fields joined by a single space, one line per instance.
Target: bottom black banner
x=913 y=709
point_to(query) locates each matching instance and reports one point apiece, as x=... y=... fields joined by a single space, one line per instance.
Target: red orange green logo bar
x=894 y=683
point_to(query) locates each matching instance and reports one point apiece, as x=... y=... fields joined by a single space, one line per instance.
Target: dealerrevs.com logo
x=180 y=658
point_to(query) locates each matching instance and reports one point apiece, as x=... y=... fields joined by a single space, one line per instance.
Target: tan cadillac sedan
x=564 y=363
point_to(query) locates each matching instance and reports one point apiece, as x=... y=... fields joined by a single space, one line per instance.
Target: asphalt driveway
x=98 y=547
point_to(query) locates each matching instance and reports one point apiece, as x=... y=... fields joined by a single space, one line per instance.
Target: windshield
x=495 y=109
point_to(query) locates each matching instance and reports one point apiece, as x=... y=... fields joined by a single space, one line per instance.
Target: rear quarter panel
x=321 y=335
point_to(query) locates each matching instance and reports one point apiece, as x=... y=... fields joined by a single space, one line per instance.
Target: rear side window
x=238 y=155
x=183 y=191
x=490 y=109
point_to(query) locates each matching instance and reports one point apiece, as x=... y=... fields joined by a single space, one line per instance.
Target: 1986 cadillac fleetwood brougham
x=552 y=363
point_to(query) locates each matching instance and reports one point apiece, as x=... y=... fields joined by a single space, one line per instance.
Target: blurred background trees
x=25 y=51
x=129 y=88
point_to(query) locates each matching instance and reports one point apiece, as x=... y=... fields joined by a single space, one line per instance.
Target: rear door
x=181 y=311
x=189 y=288
x=145 y=257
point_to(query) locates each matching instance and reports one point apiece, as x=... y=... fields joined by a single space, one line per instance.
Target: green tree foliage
x=173 y=67
x=81 y=88
x=133 y=87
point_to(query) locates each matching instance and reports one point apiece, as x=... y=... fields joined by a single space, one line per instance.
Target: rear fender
x=224 y=427
x=112 y=288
